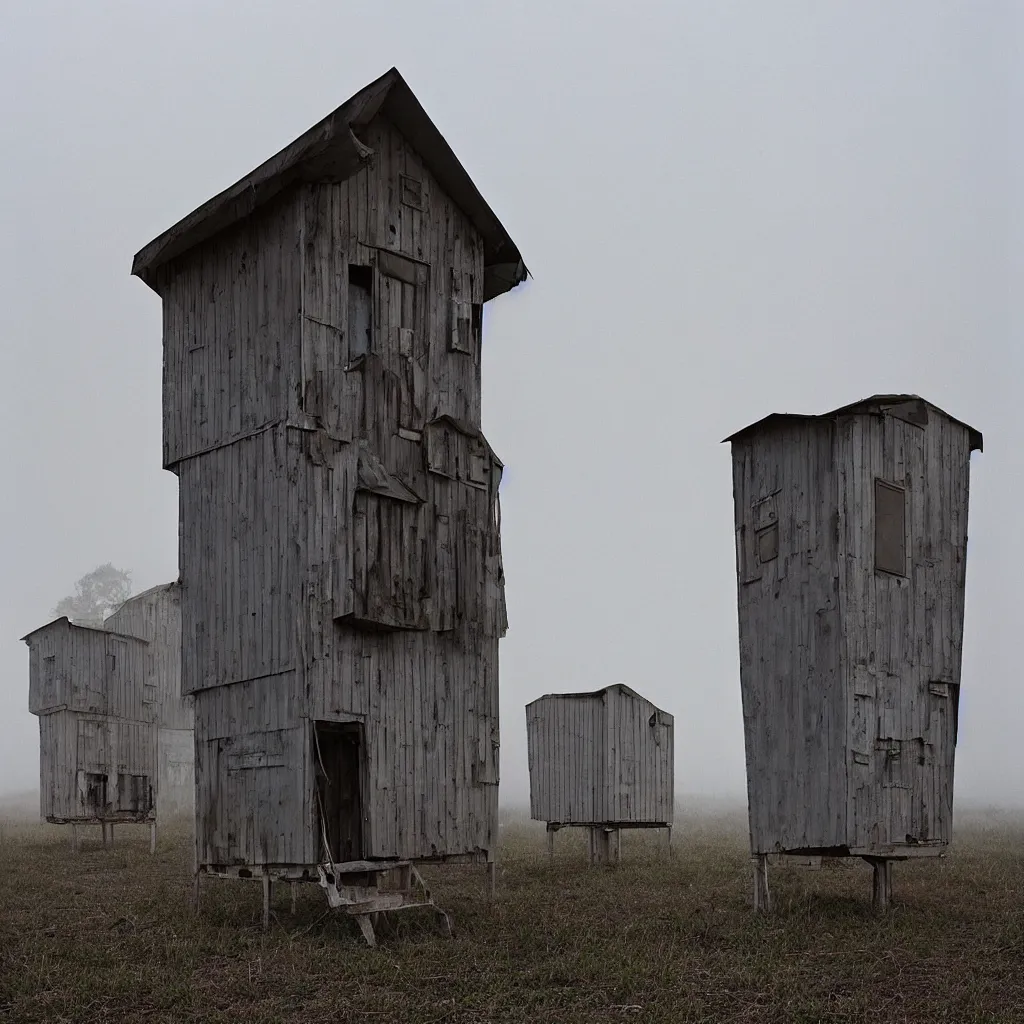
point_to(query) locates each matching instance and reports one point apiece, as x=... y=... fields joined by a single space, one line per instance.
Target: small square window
x=411 y=190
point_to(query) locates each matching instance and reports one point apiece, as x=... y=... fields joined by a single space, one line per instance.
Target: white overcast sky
x=729 y=207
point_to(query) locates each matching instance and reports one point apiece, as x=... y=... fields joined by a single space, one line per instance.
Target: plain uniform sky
x=729 y=209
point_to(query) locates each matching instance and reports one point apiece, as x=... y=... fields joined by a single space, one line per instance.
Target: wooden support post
x=111 y=835
x=551 y=843
x=668 y=843
x=591 y=845
x=405 y=878
x=295 y=897
x=152 y=838
x=881 y=884
x=266 y=902
x=74 y=838
x=491 y=879
x=618 y=846
x=103 y=825
x=195 y=891
x=602 y=845
x=366 y=928
x=762 y=898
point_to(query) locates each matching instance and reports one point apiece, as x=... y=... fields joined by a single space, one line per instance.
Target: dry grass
x=109 y=936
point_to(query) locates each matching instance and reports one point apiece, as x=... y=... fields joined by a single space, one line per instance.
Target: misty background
x=728 y=208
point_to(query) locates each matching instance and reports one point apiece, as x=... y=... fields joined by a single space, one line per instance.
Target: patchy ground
x=109 y=936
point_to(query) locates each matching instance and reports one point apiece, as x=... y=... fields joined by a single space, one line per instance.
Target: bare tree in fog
x=97 y=594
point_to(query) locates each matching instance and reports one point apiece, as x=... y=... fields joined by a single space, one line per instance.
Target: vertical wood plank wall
x=600 y=757
x=850 y=676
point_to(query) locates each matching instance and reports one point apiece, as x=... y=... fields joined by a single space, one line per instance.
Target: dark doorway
x=338 y=760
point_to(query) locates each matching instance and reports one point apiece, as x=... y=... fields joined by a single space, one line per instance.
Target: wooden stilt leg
x=295 y=897
x=405 y=878
x=103 y=825
x=551 y=844
x=591 y=845
x=111 y=835
x=762 y=898
x=491 y=879
x=881 y=887
x=266 y=902
x=668 y=843
x=152 y=838
x=74 y=838
x=366 y=928
x=195 y=891
x=618 y=846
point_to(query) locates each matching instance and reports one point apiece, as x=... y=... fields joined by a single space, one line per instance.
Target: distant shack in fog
x=851 y=554
x=115 y=733
x=602 y=761
x=155 y=616
x=97 y=750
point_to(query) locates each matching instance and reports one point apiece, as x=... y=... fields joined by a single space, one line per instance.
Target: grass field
x=110 y=936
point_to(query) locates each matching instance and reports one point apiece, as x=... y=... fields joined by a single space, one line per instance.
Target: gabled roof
x=159 y=588
x=64 y=620
x=912 y=408
x=330 y=151
x=622 y=687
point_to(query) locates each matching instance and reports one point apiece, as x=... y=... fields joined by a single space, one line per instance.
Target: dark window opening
x=338 y=763
x=360 y=310
x=95 y=792
x=890 y=528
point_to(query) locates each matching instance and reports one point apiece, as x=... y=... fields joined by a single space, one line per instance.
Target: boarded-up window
x=411 y=191
x=360 y=310
x=389 y=567
x=441 y=449
x=768 y=543
x=403 y=306
x=890 y=528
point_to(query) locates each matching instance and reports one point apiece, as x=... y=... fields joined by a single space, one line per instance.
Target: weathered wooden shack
x=155 y=616
x=602 y=761
x=851 y=553
x=342 y=584
x=92 y=692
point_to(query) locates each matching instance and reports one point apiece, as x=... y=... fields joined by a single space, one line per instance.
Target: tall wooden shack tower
x=851 y=554
x=342 y=585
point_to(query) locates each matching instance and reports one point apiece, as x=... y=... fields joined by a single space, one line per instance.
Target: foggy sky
x=729 y=209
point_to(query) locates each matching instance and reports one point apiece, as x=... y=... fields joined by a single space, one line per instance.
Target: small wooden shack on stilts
x=97 y=731
x=603 y=761
x=851 y=554
x=343 y=593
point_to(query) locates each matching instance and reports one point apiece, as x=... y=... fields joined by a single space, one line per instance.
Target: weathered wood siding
x=850 y=675
x=89 y=670
x=155 y=616
x=903 y=635
x=601 y=757
x=340 y=556
x=231 y=334
x=794 y=700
